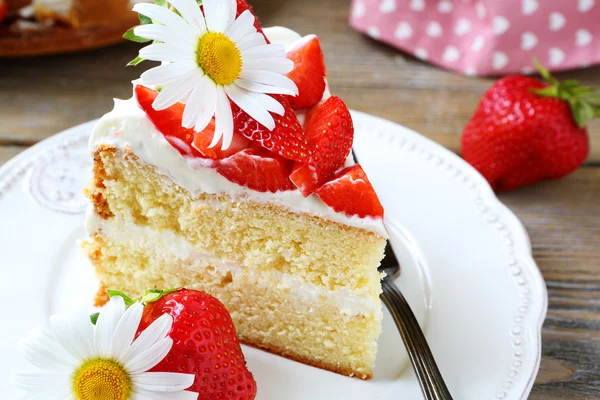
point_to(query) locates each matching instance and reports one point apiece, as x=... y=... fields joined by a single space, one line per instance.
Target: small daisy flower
x=209 y=58
x=76 y=360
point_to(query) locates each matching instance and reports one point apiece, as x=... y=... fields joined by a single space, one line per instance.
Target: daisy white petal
x=280 y=82
x=262 y=88
x=279 y=65
x=164 y=16
x=267 y=102
x=207 y=106
x=146 y=395
x=173 y=93
x=167 y=35
x=165 y=52
x=106 y=325
x=219 y=14
x=250 y=106
x=166 y=73
x=163 y=381
x=157 y=331
x=191 y=12
x=200 y=107
x=251 y=40
x=61 y=326
x=82 y=333
x=44 y=352
x=150 y=357
x=264 y=51
x=223 y=120
x=242 y=26
x=39 y=380
x=126 y=329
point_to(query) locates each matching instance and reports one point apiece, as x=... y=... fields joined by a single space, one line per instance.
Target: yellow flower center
x=219 y=58
x=101 y=379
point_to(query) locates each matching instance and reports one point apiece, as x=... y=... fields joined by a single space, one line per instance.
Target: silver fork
x=421 y=358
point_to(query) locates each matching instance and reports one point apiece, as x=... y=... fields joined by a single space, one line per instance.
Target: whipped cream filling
x=349 y=303
x=126 y=127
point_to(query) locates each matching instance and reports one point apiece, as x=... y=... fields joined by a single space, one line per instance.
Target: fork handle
x=421 y=358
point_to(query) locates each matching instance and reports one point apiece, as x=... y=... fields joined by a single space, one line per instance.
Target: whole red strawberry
x=525 y=130
x=204 y=344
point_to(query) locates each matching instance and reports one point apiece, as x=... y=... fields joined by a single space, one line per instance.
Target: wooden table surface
x=42 y=96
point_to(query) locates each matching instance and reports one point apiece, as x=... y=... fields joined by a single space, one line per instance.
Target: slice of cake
x=229 y=171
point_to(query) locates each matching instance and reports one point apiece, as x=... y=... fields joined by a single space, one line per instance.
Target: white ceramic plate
x=466 y=263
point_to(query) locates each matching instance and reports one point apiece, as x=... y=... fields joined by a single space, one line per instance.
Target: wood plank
x=8 y=152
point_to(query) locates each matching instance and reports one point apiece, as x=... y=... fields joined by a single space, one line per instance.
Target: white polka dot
x=527 y=70
x=555 y=56
x=528 y=40
x=528 y=7
x=434 y=29
x=373 y=31
x=583 y=37
x=451 y=54
x=499 y=60
x=470 y=71
x=463 y=26
x=417 y=5
x=359 y=9
x=586 y=65
x=500 y=24
x=480 y=10
x=387 y=6
x=445 y=6
x=421 y=53
x=556 y=21
x=403 y=30
x=478 y=43
x=585 y=5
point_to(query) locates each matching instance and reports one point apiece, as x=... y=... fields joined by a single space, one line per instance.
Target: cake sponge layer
x=267 y=313
x=251 y=234
x=263 y=241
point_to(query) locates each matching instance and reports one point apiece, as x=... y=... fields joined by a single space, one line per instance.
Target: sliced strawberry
x=304 y=178
x=185 y=140
x=308 y=73
x=287 y=139
x=257 y=169
x=329 y=132
x=350 y=192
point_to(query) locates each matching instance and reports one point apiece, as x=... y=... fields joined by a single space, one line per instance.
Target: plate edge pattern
x=520 y=261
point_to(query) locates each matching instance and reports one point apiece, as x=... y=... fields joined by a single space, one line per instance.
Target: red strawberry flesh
x=205 y=344
x=351 y=193
x=517 y=137
x=287 y=139
x=308 y=73
x=257 y=169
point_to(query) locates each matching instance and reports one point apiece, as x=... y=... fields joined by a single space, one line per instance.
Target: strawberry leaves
x=584 y=102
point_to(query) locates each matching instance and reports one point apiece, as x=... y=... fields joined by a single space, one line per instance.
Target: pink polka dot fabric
x=486 y=37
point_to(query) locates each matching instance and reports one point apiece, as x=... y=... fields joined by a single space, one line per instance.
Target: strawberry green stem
x=583 y=101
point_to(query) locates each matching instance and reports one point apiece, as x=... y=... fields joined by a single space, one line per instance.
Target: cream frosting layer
x=127 y=127
x=120 y=231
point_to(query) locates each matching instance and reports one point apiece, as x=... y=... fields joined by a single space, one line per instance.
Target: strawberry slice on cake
x=206 y=179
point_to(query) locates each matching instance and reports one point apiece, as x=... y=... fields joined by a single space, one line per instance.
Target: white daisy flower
x=77 y=360
x=210 y=57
